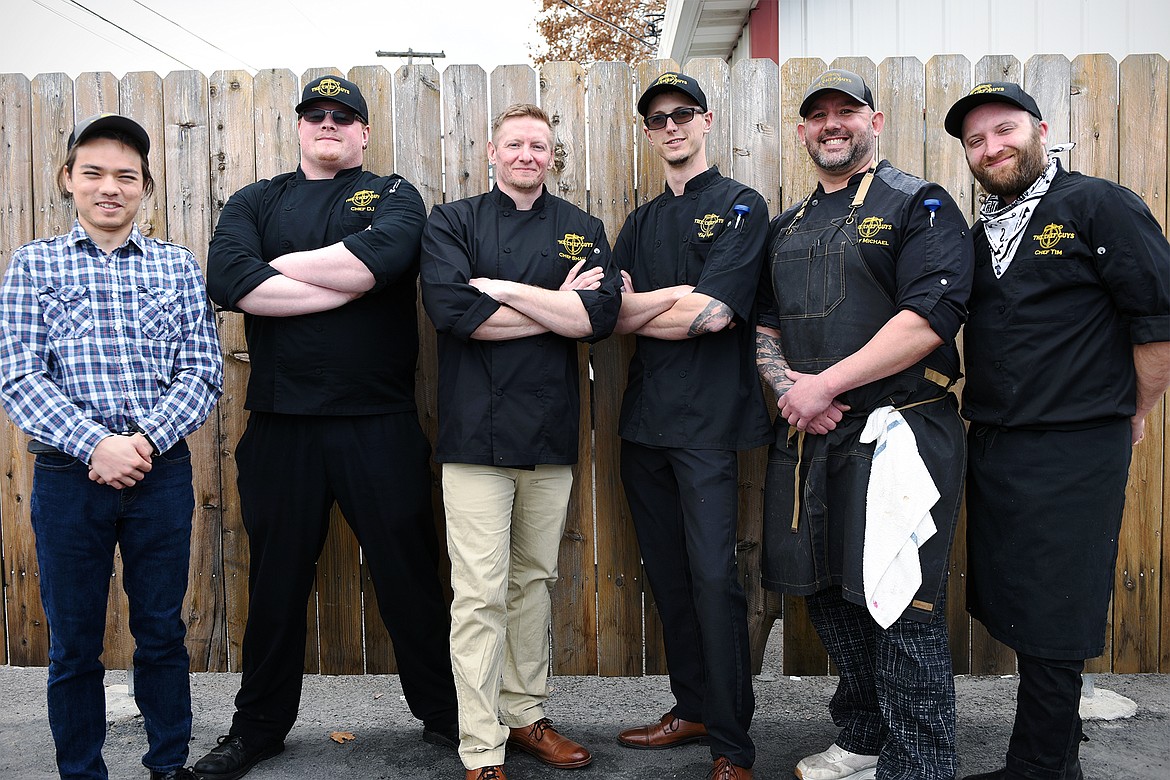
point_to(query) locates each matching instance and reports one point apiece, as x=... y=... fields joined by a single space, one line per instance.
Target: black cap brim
x=1008 y=93
x=673 y=82
x=336 y=90
x=113 y=123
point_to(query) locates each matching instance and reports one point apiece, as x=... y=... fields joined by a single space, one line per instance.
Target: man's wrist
x=137 y=429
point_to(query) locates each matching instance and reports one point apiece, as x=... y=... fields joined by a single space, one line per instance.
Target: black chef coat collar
x=504 y=201
x=343 y=173
x=696 y=183
x=854 y=180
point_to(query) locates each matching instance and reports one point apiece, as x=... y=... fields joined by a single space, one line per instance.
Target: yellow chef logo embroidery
x=707 y=225
x=870 y=226
x=832 y=80
x=362 y=200
x=983 y=89
x=669 y=78
x=575 y=246
x=1050 y=237
x=329 y=88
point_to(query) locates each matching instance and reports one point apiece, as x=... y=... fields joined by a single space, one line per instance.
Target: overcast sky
x=46 y=36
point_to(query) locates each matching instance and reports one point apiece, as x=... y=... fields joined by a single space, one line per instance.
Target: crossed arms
x=529 y=310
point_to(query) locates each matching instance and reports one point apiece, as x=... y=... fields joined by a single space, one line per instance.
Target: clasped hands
x=809 y=405
x=121 y=461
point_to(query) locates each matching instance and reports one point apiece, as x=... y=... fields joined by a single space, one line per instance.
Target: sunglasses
x=680 y=116
x=316 y=116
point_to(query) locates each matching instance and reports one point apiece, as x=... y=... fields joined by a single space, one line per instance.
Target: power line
x=192 y=34
x=610 y=24
x=132 y=35
x=81 y=26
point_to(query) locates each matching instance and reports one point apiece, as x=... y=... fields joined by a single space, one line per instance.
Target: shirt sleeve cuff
x=162 y=436
x=476 y=315
x=1147 y=330
x=84 y=440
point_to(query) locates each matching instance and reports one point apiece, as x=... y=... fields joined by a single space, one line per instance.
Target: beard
x=860 y=151
x=522 y=184
x=1009 y=181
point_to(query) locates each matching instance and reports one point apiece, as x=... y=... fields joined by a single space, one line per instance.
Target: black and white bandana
x=1005 y=224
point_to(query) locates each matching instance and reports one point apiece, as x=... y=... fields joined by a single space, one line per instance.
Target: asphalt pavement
x=791 y=721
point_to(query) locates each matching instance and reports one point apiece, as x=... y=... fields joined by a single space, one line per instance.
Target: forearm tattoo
x=771 y=364
x=713 y=317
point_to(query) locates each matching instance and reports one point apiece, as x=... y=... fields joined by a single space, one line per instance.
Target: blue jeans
x=77 y=523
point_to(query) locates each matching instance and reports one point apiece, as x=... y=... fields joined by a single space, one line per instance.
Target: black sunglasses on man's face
x=680 y=116
x=316 y=116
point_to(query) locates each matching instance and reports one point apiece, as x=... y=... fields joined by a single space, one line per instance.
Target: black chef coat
x=515 y=402
x=1050 y=390
x=1050 y=343
x=703 y=392
x=358 y=358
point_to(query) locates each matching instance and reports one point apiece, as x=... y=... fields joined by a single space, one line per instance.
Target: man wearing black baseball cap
x=837 y=80
x=869 y=276
x=108 y=359
x=323 y=263
x=1066 y=353
x=333 y=89
x=690 y=260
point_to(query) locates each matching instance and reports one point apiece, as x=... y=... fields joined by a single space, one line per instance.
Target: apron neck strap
x=854 y=205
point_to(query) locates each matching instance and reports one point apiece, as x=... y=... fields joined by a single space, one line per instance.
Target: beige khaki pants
x=504 y=529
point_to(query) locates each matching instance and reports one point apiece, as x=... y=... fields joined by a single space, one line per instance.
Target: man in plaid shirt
x=108 y=358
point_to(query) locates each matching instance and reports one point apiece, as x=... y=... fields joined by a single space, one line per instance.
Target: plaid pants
x=896 y=695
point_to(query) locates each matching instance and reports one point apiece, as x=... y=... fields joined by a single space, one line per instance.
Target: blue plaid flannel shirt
x=93 y=344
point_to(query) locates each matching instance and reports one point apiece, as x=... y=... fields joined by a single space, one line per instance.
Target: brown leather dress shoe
x=666 y=733
x=487 y=773
x=540 y=739
x=725 y=770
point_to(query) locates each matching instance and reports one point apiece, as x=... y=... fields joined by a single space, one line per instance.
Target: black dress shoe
x=182 y=773
x=444 y=736
x=231 y=758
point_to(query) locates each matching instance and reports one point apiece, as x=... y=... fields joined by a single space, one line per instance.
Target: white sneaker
x=836 y=763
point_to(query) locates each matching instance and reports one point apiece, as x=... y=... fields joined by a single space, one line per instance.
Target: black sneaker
x=182 y=773
x=232 y=759
x=444 y=736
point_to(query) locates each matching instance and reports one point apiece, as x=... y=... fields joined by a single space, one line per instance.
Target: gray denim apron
x=830 y=305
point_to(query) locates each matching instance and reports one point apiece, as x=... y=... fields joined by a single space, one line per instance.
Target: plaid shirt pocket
x=68 y=311
x=159 y=313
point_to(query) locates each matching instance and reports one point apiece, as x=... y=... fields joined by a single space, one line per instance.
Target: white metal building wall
x=923 y=28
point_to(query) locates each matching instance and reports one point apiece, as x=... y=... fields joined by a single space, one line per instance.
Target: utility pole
x=410 y=54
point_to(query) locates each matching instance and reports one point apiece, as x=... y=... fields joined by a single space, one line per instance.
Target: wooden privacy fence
x=215 y=135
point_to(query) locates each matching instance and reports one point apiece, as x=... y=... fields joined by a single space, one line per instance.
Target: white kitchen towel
x=897 y=519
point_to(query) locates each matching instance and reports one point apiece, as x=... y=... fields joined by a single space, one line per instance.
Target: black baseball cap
x=673 y=82
x=115 y=122
x=338 y=90
x=988 y=92
x=837 y=80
